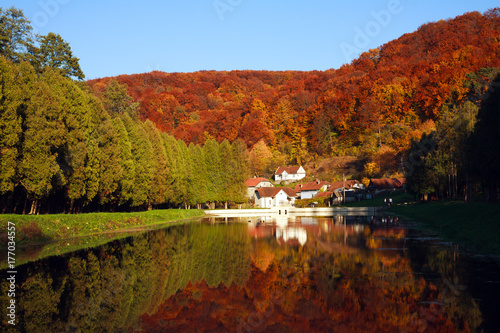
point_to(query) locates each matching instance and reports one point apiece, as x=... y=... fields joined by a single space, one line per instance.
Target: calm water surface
x=303 y=274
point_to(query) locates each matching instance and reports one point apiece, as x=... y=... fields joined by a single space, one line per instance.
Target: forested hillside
x=386 y=97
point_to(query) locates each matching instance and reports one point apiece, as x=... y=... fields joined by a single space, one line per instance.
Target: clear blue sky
x=114 y=37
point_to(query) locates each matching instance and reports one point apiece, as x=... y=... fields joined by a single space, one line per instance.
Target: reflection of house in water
x=296 y=230
x=291 y=234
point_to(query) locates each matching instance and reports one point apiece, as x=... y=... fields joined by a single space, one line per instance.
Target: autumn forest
x=424 y=106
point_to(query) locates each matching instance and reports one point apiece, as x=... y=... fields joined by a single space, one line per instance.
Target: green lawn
x=476 y=224
x=397 y=198
x=44 y=228
x=41 y=236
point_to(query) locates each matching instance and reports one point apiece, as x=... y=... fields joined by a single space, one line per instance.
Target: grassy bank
x=378 y=201
x=46 y=228
x=475 y=225
x=41 y=236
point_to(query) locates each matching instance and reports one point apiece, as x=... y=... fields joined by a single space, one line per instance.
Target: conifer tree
x=116 y=100
x=80 y=158
x=127 y=163
x=43 y=138
x=111 y=171
x=16 y=35
x=142 y=154
x=187 y=175
x=214 y=170
x=227 y=174
x=56 y=53
x=240 y=167
x=159 y=182
x=10 y=124
x=198 y=175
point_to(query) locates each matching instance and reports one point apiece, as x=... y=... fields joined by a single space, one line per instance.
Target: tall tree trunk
x=24 y=207
x=34 y=205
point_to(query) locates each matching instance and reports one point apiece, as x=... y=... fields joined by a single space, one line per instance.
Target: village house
x=255 y=183
x=309 y=190
x=348 y=184
x=387 y=184
x=268 y=197
x=291 y=174
x=340 y=196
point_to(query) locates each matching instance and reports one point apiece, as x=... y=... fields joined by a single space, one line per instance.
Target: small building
x=289 y=174
x=389 y=184
x=268 y=197
x=344 y=196
x=255 y=183
x=349 y=184
x=311 y=189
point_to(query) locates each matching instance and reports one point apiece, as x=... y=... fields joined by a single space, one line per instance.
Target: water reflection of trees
x=447 y=274
x=108 y=288
x=216 y=277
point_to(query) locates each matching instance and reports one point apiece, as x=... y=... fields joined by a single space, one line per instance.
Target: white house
x=267 y=197
x=289 y=173
x=255 y=183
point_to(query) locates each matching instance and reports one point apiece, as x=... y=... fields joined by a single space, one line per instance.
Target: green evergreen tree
x=44 y=137
x=56 y=53
x=227 y=174
x=158 y=190
x=80 y=158
x=240 y=168
x=127 y=163
x=214 y=170
x=188 y=193
x=142 y=153
x=116 y=100
x=174 y=163
x=110 y=167
x=11 y=100
x=16 y=35
x=198 y=175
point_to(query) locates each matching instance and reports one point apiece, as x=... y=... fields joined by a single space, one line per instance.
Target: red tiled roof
x=289 y=170
x=270 y=192
x=252 y=182
x=314 y=186
x=348 y=184
x=289 y=191
x=387 y=182
x=325 y=194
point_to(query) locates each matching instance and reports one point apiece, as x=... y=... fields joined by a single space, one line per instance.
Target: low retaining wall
x=322 y=211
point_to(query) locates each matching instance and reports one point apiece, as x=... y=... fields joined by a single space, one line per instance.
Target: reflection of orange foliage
x=263 y=257
x=307 y=290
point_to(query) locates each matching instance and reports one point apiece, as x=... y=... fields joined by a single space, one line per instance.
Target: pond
x=286 y=274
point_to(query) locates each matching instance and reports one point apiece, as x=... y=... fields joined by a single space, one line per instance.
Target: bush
x=302 y=203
